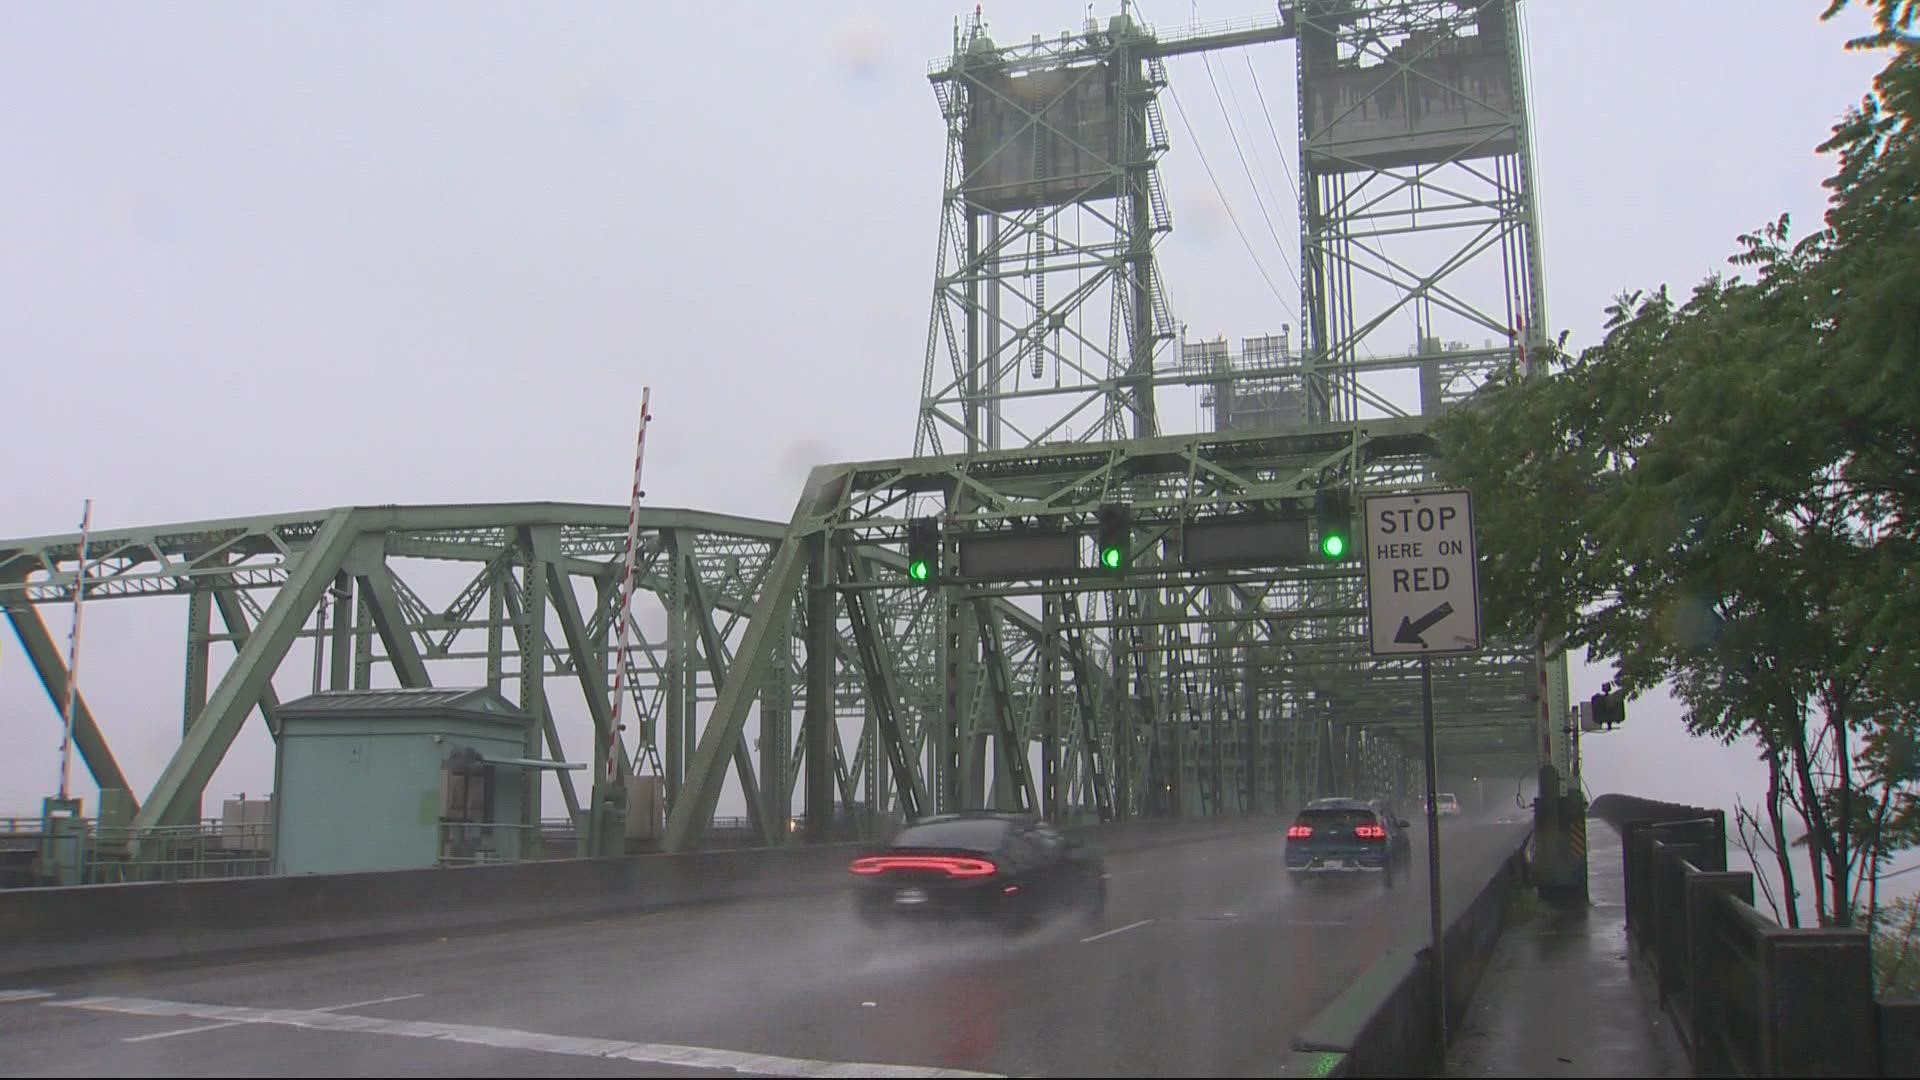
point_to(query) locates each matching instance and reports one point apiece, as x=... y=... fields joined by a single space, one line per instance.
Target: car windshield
x=973 y=834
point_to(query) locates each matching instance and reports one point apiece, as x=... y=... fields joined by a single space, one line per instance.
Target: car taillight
x=1370 y=832
x=951 y=865
x=1299 y=832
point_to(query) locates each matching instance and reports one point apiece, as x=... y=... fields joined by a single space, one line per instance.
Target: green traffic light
x=918 y=570
x=1110 y=558
x=1333 y=545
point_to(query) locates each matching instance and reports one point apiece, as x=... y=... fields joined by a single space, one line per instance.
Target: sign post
x=1423 y=599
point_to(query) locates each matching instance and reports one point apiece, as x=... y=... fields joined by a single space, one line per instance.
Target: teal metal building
x=400 y=779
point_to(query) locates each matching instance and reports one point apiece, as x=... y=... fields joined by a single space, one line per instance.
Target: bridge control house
x=402 y=779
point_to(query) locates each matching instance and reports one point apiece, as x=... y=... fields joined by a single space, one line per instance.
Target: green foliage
x=1896 y=949
x=1724 y=493
x=1888 y=15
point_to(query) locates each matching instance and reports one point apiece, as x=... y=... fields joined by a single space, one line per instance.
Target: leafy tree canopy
x=1724 y=492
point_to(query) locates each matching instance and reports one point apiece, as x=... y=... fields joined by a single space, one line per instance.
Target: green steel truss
x=1417 y=211
x=1417 y=205
x=815 y=618
x=1049 y=314
x=1417 y=208
x=1163 y=691
x=533 y=615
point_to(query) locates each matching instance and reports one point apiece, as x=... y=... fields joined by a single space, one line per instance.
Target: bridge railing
x=216 y=848
x=1748 y=996
x=178 y=853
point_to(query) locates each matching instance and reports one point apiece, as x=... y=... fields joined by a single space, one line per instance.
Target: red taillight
x=1370 y=832
x=951 y=865
x=1299 y=832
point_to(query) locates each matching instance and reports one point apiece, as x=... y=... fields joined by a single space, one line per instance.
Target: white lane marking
x=183 y=1031
x=369 y=1001
x=692 y=1057
x=1115 y=930
x=240 y=1023
x=7 y=996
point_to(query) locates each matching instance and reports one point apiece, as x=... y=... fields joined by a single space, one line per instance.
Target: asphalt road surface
x=1206 y=963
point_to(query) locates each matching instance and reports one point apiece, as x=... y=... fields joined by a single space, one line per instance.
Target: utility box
x=246 y=824
x=646 y=807
x=63 y=842
x=401 y=779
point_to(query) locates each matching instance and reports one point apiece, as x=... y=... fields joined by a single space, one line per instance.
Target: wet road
x=1206 y=963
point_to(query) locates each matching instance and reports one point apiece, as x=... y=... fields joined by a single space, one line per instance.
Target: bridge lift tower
x=1415 y=132
x=1051 y=325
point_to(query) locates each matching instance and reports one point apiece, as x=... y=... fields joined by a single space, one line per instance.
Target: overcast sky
x=262 y=258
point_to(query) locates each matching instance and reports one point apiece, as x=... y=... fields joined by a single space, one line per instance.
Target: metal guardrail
x=220 y=849
x=178 y=853
x=1748 y=996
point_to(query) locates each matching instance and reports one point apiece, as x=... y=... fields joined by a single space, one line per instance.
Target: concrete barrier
x=1382 y=1025
x=1898 y=1024
x=43 y=930
x=48 y=930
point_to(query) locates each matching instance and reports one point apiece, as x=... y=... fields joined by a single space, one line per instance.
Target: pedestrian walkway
x=1562 y=994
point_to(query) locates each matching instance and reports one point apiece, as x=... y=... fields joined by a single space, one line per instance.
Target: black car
x=1349 y=836
x=979 y=865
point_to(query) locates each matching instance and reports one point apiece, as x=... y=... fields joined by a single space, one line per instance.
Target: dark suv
x=1348 y=836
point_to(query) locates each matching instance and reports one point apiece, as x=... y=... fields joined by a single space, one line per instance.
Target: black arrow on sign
x=1411 y=629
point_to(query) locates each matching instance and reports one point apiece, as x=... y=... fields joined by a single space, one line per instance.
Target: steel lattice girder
x=861 y=509
x=294 y=560
x=1093 y=237
x=1057 y=271
x=1455 y=183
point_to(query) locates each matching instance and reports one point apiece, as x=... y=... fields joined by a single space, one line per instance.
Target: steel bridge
x=1164 y=690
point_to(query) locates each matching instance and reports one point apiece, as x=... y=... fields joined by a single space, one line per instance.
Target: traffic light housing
x=923 y=550
x=1333 y=514
x=1609 y=707
x=1113 y=540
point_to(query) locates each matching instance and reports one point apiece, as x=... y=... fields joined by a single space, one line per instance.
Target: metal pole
x=1433 y=864
x=73 y=651
x=319 y=638
x=626 y=589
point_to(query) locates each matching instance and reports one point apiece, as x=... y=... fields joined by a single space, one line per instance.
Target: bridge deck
x=1206 y=964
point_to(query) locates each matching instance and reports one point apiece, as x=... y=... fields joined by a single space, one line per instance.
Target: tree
x=1724 y=494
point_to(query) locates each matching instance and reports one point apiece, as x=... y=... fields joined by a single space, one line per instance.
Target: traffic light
x=1609 y=706
x=1114 y=540
x=1333 y=513
x=923 y=550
